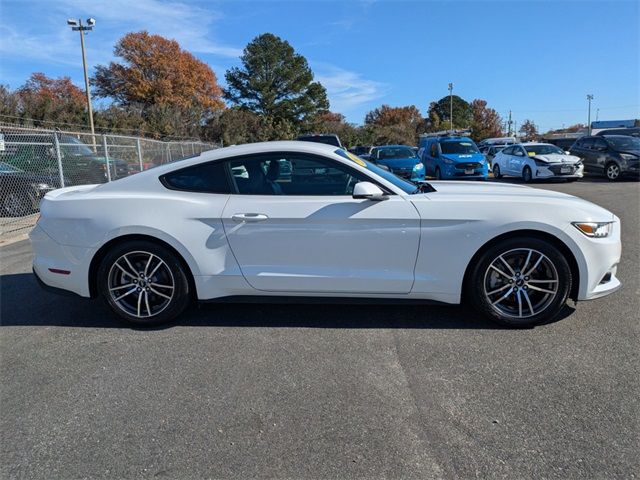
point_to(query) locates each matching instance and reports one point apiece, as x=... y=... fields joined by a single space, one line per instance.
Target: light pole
x=451 y=106
x=589 y=98
x=76 y=25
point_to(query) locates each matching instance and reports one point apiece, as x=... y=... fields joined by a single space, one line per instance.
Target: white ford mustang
x=307 y=219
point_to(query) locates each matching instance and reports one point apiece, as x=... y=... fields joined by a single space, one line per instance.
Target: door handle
x=249 y=217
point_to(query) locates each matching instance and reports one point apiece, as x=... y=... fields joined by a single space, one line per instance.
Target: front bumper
x=460 y=172
x=554 y=171
x=598 y=261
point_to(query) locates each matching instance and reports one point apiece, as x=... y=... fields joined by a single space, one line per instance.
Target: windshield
x=624 y=143
x=396 y=152
x=6 y=168
x=404 y=185
x=458 y=147
x=542 y=150
x=73 y=146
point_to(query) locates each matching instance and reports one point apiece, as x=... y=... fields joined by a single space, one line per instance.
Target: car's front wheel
x=520 y=282
x=527 y=176
x=612 y=171
x=144 y=283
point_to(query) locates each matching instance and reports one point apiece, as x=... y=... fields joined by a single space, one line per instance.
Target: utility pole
x=589 y=98
x=597 y=113
x=509 y=123
x=76 y=25
x=451 y=106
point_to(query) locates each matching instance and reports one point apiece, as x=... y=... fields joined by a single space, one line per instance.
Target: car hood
x=557 y=158
x=32 y=177
x=503 y=195
x=97 y=159
x=408 y=162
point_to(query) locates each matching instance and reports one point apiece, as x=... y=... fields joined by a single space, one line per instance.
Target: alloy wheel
x=613 y=171
x=521 y=283
x=141 y=284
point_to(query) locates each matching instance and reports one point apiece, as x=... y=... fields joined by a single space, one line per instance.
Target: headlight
x=594 y=229
x=448 y=161
x=418 y=166
x=627 y=156
x=540 y=163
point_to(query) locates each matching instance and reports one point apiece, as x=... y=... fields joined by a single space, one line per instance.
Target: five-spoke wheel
x=143 y=282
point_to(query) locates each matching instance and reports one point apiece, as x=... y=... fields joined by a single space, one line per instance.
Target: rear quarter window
x=205 y=178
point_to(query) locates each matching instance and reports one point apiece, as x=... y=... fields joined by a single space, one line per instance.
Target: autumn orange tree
x=164 y=82
x=486 y=122
x=45 y=99
x=390 y=125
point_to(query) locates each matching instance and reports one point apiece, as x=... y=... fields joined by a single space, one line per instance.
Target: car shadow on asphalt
x=24 y=303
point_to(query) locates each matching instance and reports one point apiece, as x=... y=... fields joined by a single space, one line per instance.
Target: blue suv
x=452 y=156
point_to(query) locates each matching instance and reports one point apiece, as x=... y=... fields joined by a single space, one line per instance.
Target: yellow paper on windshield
x=532 y=154
x=357 y=159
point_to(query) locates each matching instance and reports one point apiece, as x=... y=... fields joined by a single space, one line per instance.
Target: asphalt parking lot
x=322 y=391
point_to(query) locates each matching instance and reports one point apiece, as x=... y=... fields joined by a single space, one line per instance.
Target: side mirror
x=369 y=191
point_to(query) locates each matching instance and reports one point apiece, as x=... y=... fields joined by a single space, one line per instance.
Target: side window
x=508 y=151
x=599 y=144
x=434 y=150
x=586 y=143
x=518 y=152
x=204 y=178
x=292 y=174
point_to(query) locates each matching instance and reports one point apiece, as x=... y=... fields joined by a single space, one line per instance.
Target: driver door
x=306 y=233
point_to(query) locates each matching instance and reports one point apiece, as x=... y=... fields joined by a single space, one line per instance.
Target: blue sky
x=536 y=58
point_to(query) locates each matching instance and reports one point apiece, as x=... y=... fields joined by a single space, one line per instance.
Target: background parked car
x=455 y=157
x=329 y=139
x=361 y=150
x=491 y=151
x=613 y=156
x=399 y=159
x=537 y=161
x=21 y=192
x=631 y=132
x=81 y=165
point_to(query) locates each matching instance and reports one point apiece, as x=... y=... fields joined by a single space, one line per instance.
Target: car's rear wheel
x=527 y=176
x=520 y=282
x=144 y=283
x=612 y=171
x=496 y=171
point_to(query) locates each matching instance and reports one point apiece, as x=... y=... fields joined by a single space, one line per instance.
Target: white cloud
x=50 y=41
x=347 y=90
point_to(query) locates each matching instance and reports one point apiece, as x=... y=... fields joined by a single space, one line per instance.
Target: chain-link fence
x=35 y=161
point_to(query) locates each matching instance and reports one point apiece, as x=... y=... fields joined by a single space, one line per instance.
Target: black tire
x=15 y=204
x=496 y=171
x=516 y=310
x=438 y=174
x=612 y=171
x=168 y=306
x=527 y=176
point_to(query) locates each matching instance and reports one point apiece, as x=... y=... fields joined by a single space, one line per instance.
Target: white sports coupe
x=536 y=161
x=312 y=220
